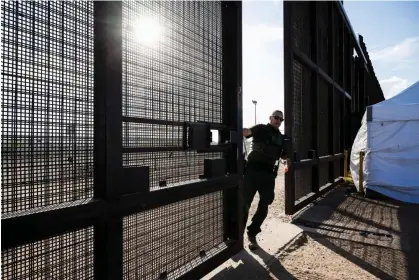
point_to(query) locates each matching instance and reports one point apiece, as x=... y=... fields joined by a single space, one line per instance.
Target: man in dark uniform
x=260 y=174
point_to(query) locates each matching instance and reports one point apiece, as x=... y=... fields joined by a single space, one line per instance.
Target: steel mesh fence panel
x=67 y=256
x=323 y=35
x=159 y=241
x=323 y=120
x=47 y=103
x=55 y=56
x=339 y=50
x=174 y=79
x=178 y=76
x=320 y=41
x=301 y=133
x=301 y=27
x=338 y=132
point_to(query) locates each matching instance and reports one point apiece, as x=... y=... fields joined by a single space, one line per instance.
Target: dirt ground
x=307 y=258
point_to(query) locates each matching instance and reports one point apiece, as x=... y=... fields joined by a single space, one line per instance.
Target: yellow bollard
x=347 y=178
x=361 y=172
x=345 y=165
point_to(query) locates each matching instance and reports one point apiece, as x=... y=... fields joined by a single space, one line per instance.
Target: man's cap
x=276 y=113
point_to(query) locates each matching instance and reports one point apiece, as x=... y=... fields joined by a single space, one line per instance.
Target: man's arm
x=253 y=131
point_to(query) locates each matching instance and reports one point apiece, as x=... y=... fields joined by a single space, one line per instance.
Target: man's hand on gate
x=286 y=163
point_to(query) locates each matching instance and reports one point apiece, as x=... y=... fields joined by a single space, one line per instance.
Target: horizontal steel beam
x=214 y=126
x=211 y=149
x=31 y=226
x=137 y=202
x=303 y=58
x=306 y=163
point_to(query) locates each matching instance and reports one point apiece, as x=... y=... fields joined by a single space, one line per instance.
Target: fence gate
x=108 y=166
x=318 y=55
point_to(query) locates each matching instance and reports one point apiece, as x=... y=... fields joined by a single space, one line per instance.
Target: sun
x=147 y=31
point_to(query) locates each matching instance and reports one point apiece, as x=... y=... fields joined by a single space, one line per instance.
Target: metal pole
x=255 y=102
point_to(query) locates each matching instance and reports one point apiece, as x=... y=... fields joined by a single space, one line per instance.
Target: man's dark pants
x=261 y=180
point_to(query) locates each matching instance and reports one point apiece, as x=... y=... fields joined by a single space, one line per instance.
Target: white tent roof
x=402 y=107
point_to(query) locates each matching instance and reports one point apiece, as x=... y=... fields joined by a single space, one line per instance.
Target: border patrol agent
x=260 y=174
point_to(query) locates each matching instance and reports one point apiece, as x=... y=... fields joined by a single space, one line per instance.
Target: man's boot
x=253 y=243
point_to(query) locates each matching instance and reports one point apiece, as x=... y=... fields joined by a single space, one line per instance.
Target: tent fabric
x=402 y=107
x=390 y=140
x=404 y=112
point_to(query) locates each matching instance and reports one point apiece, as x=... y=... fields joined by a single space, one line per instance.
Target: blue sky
x=390 y=30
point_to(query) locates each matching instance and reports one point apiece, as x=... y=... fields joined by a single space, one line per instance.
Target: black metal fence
x=107 y=167
x=329 y=81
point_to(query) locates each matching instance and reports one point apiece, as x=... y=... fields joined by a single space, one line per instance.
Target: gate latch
x=200 y=136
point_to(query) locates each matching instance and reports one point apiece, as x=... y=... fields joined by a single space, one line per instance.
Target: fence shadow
x=379 y=235
x=247 y=267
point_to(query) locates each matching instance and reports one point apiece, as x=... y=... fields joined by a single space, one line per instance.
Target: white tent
x=389 y=137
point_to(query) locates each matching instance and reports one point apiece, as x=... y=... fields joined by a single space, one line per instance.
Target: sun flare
x=147 y=31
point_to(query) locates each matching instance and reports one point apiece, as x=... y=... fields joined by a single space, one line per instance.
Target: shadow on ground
x=379 y=235
x=246 y=266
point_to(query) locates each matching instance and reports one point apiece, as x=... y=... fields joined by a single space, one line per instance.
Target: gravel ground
x=311 y=260
x=306 y=258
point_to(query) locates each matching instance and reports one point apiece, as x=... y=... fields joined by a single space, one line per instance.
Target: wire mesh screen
x=323 y=120
x=172 y=55
x=339 y=51
x=159 y=241
x=47 y=103
x=322 y=44
x=323 y=35
x=301 y=27
x=68 y=256
x=301 y=128
x=338 y=132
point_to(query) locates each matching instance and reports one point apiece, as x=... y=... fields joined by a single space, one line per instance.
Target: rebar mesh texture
x=338 y=47
x=178 y=75
x=353 y=85
x=301 y=133
x=47 y=103
x=323 y=35
x=348 y=52
x=68 y=256
x=161 y=240
x=301 y=26
x=323 y=121
x=176 y=78
x=337 y=130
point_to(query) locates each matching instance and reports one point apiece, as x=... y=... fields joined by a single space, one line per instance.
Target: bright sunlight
x=147 y=31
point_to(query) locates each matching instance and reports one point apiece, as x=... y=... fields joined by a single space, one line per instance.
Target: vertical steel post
x=288 y=94
x=315 y=84
x=232 y=115
x=255 y=103
x=108 y=134
x=332 y=91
